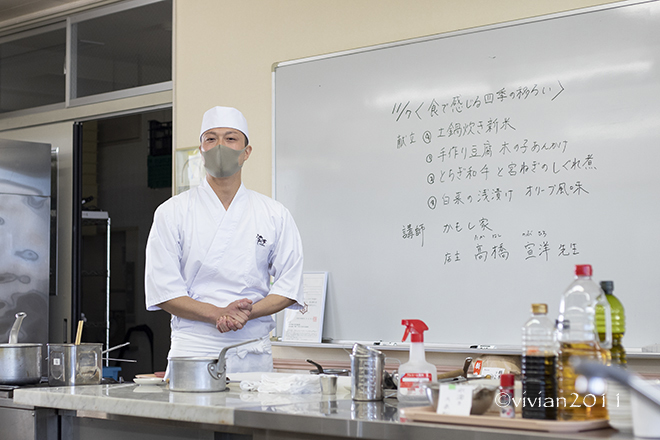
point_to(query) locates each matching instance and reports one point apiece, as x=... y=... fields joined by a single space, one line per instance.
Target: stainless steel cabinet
x=21 y=422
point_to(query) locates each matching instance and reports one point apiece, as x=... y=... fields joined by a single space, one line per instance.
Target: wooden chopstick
x=79 y=332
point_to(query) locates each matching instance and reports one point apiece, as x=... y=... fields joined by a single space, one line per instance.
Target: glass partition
x=121 y=50
x=32 y=68
x=112 y=52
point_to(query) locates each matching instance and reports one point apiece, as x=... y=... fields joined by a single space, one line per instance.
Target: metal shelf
x=95 y=217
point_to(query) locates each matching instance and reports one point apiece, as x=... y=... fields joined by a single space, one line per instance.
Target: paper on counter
x=455 y=399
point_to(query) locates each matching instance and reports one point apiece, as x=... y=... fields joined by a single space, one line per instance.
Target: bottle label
x=480 y=370
x=411 y=384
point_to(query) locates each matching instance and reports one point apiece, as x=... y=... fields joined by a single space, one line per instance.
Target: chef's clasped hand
x=234 y=316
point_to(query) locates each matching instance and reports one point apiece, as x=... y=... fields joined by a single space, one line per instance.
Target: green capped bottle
x=618 y=323
x=618 y=396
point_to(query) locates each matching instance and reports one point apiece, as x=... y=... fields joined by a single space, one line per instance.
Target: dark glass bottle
x=539 y=360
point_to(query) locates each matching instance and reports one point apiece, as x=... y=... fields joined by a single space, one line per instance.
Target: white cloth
x=293 y=384
x=255 y=356
x=199 y=249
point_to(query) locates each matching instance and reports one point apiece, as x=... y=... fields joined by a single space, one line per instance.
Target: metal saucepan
x=20 y=364
x=201 y=374
x=335 y=371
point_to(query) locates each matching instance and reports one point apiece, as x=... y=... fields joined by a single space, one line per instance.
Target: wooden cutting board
x=428 y=414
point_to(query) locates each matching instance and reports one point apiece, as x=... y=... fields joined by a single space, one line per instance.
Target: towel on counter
x=293 y=384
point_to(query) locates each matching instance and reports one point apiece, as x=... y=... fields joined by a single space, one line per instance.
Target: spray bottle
x=415 y=373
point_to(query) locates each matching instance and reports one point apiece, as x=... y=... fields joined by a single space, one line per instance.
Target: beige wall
x=225 y=49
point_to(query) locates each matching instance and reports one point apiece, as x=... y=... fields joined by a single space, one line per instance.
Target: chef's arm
x=187 y=308
x=272 y=303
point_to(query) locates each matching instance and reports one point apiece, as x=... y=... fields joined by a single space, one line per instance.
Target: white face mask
x=222 y=161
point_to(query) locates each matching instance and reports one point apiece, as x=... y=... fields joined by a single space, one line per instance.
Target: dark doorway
x=126 y=168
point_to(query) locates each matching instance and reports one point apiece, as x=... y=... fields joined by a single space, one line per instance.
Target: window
x=32 y=68
x=117 y=51
x=121 y=50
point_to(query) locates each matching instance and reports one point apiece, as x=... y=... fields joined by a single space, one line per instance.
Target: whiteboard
x=459 y=178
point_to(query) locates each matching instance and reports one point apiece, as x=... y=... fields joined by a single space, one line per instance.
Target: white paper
x=306 y=325
x=455 y=400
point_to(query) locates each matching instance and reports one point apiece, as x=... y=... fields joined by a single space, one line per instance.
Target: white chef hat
x=225 y=117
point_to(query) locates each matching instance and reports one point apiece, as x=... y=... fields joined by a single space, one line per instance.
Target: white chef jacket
x=199 y=249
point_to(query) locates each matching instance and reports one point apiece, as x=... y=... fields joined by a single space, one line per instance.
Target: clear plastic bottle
x=618 y=323
x=577 y=337
x=416 y=373
x=539 y=366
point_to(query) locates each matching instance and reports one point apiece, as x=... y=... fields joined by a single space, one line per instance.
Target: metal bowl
x=482 y=396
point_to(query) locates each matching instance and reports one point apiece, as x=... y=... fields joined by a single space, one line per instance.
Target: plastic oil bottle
x=539 y=366
x=415 y=373
x=577 y=336
x=618 y=323
x=618 y=396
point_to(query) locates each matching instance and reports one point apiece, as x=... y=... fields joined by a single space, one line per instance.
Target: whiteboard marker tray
x=428 y=414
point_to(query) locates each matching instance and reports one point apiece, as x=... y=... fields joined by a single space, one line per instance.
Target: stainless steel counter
x=377 y=420
x=136 y=411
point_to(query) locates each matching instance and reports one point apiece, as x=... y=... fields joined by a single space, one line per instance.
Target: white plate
x=148 y=380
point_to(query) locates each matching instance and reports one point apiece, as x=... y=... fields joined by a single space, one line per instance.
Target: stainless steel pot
x=200 y=374
x=20 y=364
x=71 y=364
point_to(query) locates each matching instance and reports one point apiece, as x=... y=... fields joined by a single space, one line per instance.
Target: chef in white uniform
x=212 y=251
